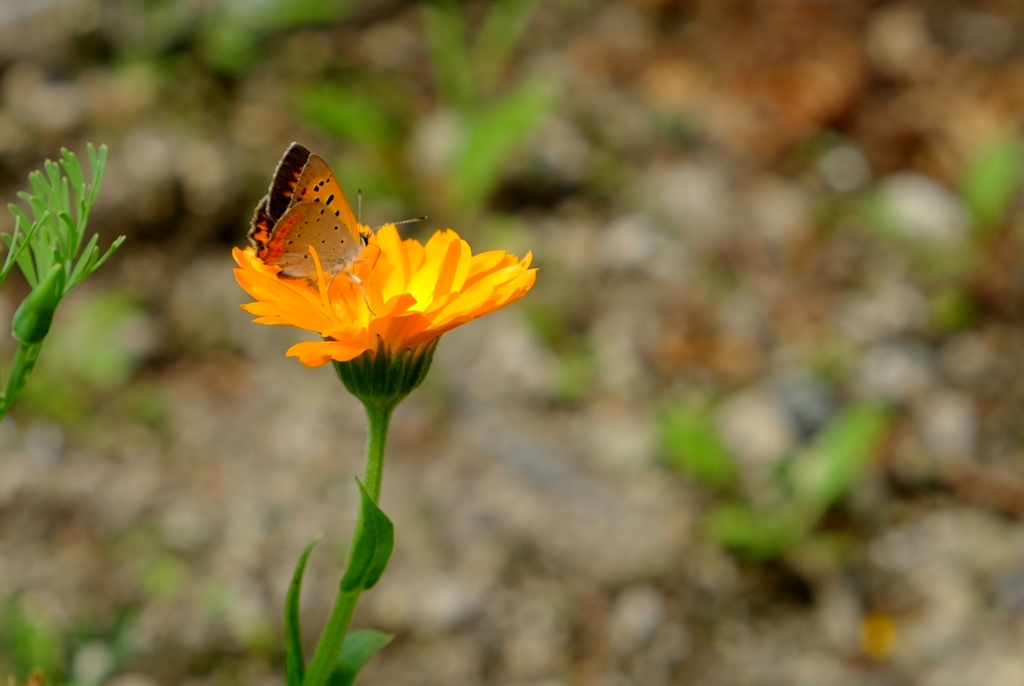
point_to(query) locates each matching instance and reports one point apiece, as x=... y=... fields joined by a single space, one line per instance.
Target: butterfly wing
x=317 y=184
x=286 y=177
x=262 y=226
x=311 y=223
x=305 y=206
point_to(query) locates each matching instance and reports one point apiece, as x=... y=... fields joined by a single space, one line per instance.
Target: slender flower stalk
x=380 y=327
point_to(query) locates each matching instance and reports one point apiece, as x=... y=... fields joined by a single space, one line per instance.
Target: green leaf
x=838 y=454
x=82 y=269
x=98 y=167
x=991 y=181
x=691 y=444
x=371 y=547
x=301 y=12
x=356 y=651
x=492 y=136
x=30 y=641
x=446 y=35
x=73 y=169
x=758 y=535
x=498 y=36
x=346 y=114
x=295 y=662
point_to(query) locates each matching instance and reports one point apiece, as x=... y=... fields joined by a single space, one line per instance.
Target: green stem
x=24 y=360
x=326 y=656
x=378 y=419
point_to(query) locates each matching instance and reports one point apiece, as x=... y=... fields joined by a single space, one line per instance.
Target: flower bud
x=382 y=378
x=32 y=319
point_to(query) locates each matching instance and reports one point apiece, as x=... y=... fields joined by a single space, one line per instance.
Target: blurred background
x=759 y=422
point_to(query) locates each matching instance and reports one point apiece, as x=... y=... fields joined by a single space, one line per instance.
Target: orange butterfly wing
x=317 y=184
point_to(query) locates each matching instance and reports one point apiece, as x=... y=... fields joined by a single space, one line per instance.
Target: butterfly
x=305 y=207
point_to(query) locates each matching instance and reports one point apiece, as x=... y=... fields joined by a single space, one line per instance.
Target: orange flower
x=410 y=294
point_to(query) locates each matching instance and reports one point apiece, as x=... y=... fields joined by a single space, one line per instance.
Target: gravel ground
x=763 y=208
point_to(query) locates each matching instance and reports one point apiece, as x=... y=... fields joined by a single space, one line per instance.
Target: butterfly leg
x=362 y=288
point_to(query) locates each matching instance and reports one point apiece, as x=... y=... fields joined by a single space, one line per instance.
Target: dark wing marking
x=262 y=226
x=287 y=174
x=318 y=184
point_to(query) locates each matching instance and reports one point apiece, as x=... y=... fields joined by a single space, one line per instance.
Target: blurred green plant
x=813 y=479
x=490 y=122
x=691 y=444
x=952 y=309
x=232 y=31
x=51 y=251
x=95 y=350
x=29 y=642
x=467 y=74
x=84 y=654
x=991 y=181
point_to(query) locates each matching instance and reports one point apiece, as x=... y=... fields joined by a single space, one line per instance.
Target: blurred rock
x=536 y=639
x=562 y=150
x=623 y=441
x=92 y=662
x=755 y=428
x=635 y=617
x=782 y=212
x=137 y=679
x=204 y=313
x=947 y=421
x=1009 y=589
x=119 y=97
x=894 y=371
x=628 y=243
x=986 y=37
x=498 y=359
x=807 y=402
x=621 y=370
x=622 y=28
x=894 y=309
x=696 y=199
x=898 y=42
x=388 y=45
x=987 y=661
x=15 y=139
x=947 y=605
x=184 y=527
x=205 y=170
x=435 y=141
x=839 y=612
x=925 y=211
x=43 y=443
x=587 y=527
x=427 y=602
x=51 y=107
x=966 y=357
x=445 y=603
x=845 y=168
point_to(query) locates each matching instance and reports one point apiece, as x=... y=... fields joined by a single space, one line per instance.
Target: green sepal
x=356 y=651
x=33 y=317
x=381 y=378
x=295 y=663
x=371 y=547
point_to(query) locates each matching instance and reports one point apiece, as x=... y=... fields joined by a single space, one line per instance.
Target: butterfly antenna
x=404 y=221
